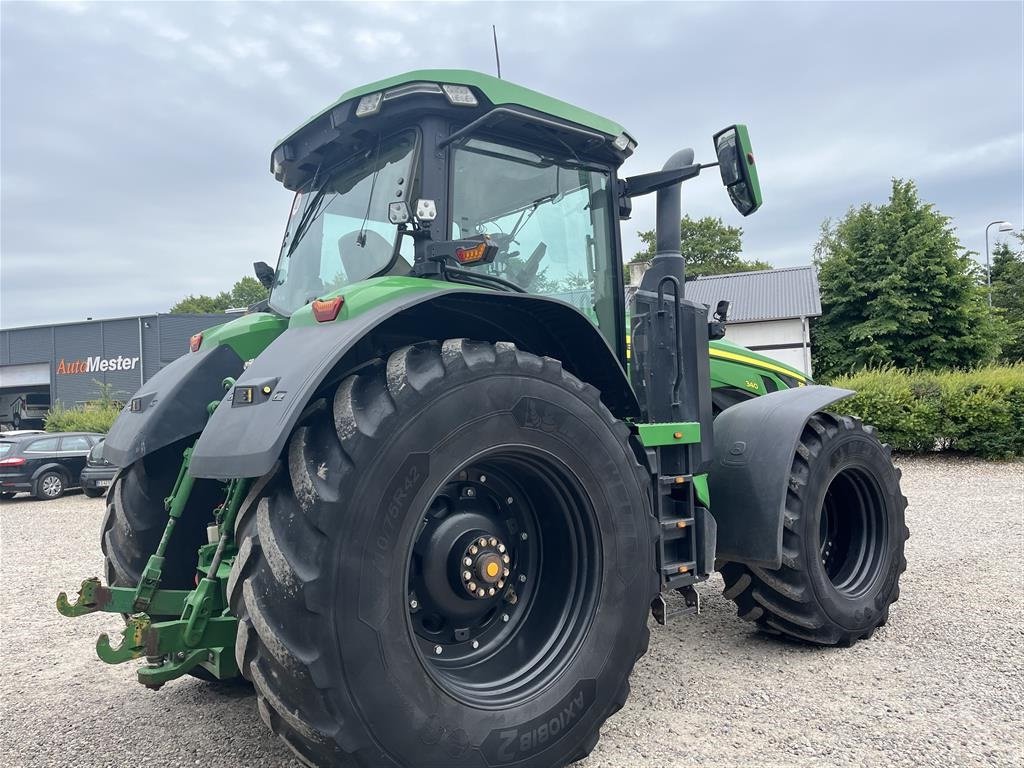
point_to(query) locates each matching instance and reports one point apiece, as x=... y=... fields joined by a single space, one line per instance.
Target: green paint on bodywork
x=700 y=487
x=498 y=92
x=248 y=335
x=723 y=350
x=367 y=294
x=747 y=156
x=653 y=435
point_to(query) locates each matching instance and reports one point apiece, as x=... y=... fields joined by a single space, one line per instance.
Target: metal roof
x=769 y=294
x=495 y=90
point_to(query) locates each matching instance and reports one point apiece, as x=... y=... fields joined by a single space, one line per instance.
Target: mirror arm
x=645 y=183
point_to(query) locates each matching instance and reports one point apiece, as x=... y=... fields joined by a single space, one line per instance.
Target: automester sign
x=97 y=364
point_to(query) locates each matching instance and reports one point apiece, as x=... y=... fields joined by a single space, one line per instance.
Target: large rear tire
x=367 y=642
x=135 y=520
x=843 y=538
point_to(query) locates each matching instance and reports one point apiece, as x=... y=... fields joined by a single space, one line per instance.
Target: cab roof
x=313 y=136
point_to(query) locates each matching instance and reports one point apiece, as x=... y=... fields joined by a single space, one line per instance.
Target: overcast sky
x=136 y=137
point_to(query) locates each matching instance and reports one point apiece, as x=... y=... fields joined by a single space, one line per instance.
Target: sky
x=135 y=138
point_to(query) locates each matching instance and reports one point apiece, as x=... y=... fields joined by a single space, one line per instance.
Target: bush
x=96 y=416
x=92 y=417
x=978 y=412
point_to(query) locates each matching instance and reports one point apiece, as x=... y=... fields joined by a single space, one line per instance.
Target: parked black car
x=98 y=473
x=44 y=465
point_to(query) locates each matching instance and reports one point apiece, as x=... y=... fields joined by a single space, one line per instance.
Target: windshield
x=550 y=218
x=338 y=230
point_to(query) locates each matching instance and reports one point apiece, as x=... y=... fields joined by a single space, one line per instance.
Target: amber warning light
x=482 y=252
x=326 y=310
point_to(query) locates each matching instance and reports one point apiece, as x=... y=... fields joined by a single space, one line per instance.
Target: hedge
x=93 y=417
x=978 y=412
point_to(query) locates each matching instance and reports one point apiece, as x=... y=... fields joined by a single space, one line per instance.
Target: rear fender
x=244 y=440
x=754 y=446
x=171 y=405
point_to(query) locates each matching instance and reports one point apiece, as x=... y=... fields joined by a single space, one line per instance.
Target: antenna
x=497 y=59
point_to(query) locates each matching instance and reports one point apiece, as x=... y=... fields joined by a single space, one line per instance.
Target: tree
x=898 y=289
x=710 y=246
x=245 y=292
x=1008 y=295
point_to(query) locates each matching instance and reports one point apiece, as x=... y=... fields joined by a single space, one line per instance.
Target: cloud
x=136 y=138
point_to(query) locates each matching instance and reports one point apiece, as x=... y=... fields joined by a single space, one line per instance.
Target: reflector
x=325 y=310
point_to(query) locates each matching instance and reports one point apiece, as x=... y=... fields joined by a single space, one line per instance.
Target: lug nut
x=522 y=578
x=480 y=592
x=493 y=542
x=501 y=548
x=505 y=574
x=476 y=644
x=491 y=591
x=467 y=561
x=466 y=575
x=483 y=478
x=414 y=604
x=483 y=542
x=523 y=536
x=508 y=500
x=506 y=559
x=472 y=586
x=500 y=584
x=504 y=617
x=473 y=550
x=438 y=650
x=470 y=492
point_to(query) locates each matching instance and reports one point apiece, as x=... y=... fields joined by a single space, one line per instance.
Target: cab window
x=551 y=219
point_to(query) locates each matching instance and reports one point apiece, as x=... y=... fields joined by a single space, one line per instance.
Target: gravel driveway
x=942 y=684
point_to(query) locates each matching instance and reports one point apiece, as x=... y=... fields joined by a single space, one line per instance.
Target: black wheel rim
x=852 y=531
x=492 y=639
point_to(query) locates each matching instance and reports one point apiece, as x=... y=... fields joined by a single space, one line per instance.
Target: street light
x=1004 y=226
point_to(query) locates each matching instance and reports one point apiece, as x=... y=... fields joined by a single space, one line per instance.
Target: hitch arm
x=93 y=597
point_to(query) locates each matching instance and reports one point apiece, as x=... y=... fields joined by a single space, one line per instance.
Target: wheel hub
x=465 y=580
x=502 y=578
x=484 y=567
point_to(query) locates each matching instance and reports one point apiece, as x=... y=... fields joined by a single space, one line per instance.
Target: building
x=47 y=364
x=769 y=311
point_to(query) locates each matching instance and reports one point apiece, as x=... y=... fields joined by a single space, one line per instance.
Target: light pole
x=1004 y=226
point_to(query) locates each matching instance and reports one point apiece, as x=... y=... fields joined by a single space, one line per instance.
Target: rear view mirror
x=736 y=163
x=264 y=273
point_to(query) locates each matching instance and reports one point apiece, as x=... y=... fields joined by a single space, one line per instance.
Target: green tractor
x=424 y=500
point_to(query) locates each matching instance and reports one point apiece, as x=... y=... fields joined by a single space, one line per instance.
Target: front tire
x=350 y=584
x=843 y=539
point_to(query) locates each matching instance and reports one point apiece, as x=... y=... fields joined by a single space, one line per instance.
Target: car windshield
x=338 y=230
x=551 y=219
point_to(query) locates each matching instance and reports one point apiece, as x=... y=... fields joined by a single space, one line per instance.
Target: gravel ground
x=941 y=684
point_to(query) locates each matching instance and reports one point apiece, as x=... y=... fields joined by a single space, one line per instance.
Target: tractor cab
x=397 y=167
